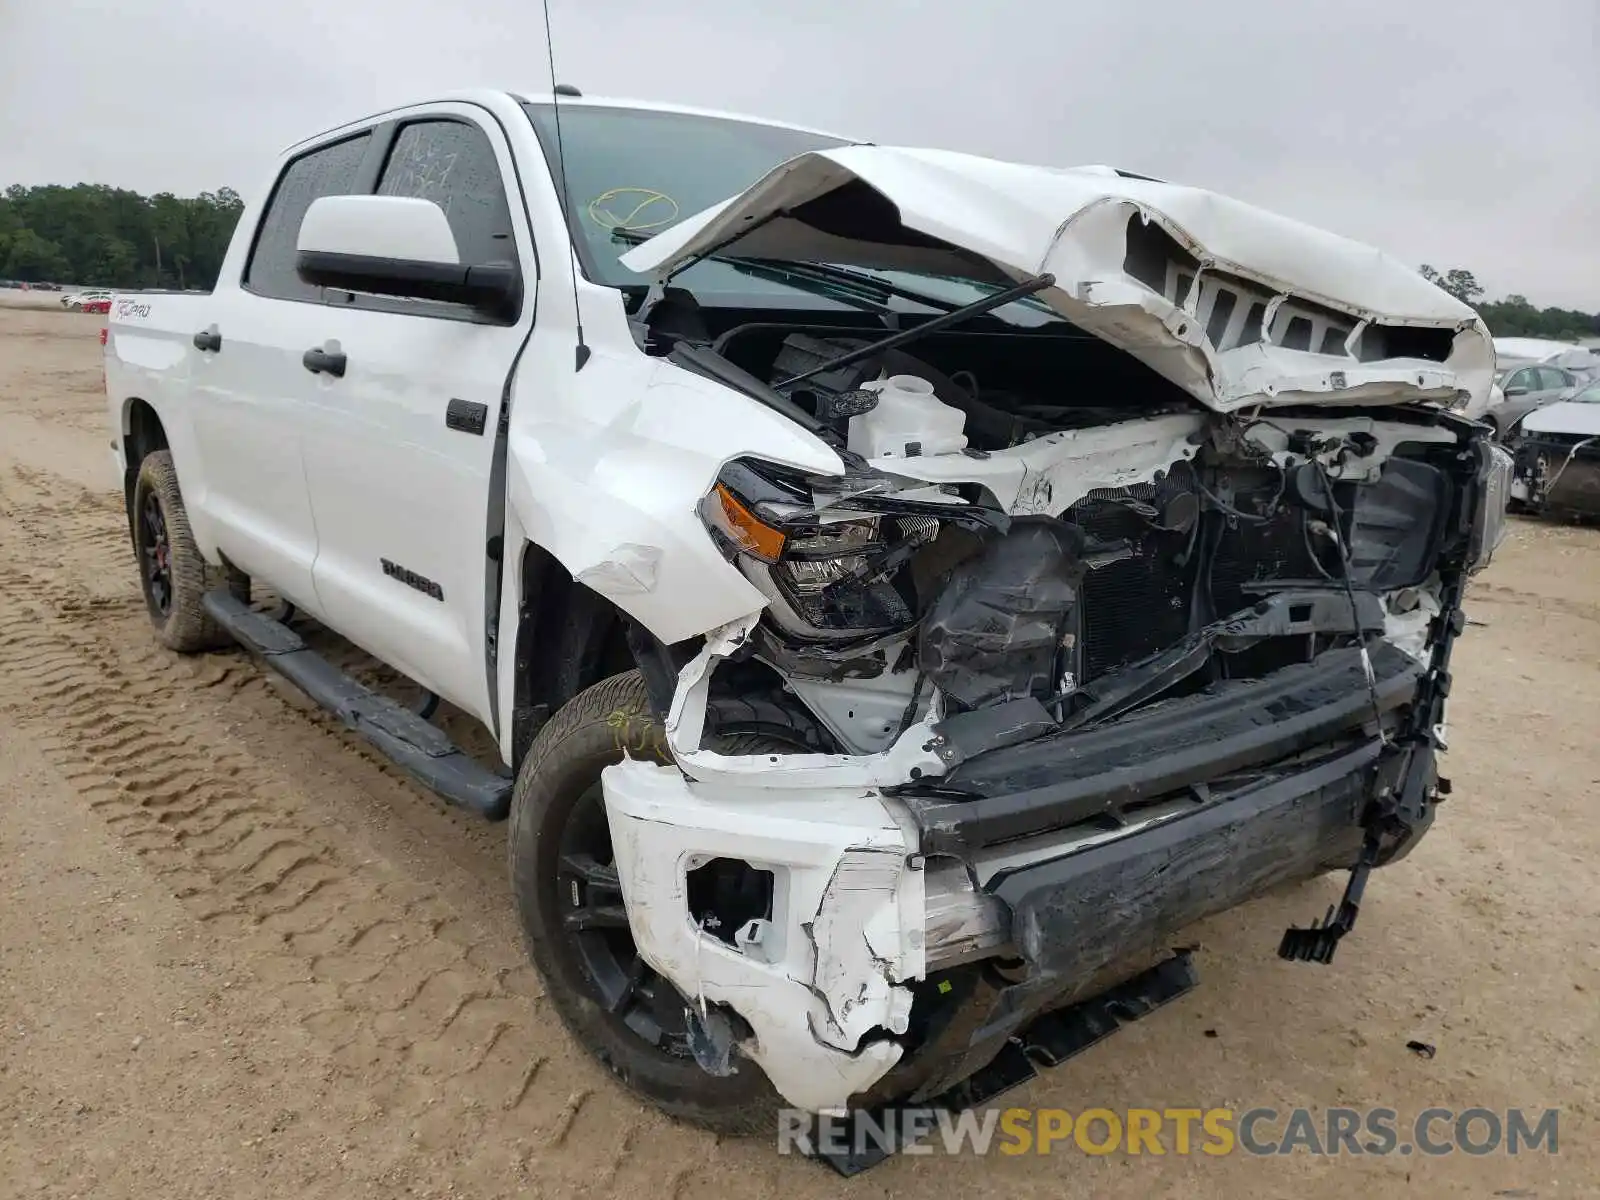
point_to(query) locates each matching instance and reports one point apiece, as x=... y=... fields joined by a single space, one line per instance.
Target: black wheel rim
x=156 y=553
x=595 y=924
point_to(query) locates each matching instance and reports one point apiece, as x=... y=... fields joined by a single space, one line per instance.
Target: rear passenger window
x=1552 y=378
x=452 y=163
x=326 y=171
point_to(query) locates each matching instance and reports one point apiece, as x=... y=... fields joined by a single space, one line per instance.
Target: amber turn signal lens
x=741 y=525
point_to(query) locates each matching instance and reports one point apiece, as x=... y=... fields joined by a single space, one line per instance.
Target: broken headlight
x=1495 y=467
x=829 y=570
x=847 y=574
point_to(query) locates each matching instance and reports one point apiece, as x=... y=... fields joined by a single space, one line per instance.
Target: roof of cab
x=488 y=98
x=685 y=109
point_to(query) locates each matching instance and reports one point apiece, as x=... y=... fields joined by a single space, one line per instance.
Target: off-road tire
x=182 y=624
x=565 y=760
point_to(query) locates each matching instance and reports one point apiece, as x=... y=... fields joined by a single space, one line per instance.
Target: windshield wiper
x=827 y=273
x=872 y=299
x=781 y=270
x=943 y=321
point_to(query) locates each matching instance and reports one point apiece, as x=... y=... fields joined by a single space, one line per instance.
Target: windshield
x=641 y=170
x=1590 y=394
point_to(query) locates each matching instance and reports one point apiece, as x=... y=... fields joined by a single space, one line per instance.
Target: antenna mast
x=556 y=92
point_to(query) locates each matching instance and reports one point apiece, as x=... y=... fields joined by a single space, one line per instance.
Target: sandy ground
x=241 y=957
x=18 y=298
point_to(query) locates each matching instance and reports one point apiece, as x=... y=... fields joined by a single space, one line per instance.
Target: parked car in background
x=1558 y=456
x=1514 y=351
x=1520 y=389
x=79 y=301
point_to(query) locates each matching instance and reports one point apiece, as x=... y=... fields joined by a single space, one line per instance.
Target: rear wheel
x=172 y=574
x=569 y=899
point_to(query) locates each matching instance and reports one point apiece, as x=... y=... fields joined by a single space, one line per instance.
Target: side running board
x=415 y=745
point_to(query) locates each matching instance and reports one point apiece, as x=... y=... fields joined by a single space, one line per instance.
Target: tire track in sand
x=448 y=1032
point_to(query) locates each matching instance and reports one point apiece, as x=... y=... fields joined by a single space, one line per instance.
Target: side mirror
x=398 y=246
x=1511 y=393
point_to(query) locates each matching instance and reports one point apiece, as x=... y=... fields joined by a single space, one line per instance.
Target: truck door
x=399 y=447
x=247 y=383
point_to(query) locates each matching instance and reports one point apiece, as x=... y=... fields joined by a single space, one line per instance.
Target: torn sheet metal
x=907 y=757
x=1049 y=474
x=1079 y=225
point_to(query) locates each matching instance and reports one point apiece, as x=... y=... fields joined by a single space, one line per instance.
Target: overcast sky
x=1455 y=132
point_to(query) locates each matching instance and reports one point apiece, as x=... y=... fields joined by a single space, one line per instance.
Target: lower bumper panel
x=1076 y=920
x=1074 y=916
x=870 y=1138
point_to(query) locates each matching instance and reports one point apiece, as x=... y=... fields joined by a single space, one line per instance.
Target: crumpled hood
x=1282 y=312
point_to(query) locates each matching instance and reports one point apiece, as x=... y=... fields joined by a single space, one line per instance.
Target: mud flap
x=1049 y=1041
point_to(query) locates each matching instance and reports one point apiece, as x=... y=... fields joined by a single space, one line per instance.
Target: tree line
x=98 y=236
x=1514 y=316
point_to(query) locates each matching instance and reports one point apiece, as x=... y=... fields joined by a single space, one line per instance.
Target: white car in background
x=75 y=301
x=1530 y=373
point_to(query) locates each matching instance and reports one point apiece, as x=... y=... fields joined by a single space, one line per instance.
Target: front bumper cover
x=822 y=982
x=1078 y=918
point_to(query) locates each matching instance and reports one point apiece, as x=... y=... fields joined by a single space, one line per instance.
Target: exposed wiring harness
x=1283 y=480
x=1350 y=593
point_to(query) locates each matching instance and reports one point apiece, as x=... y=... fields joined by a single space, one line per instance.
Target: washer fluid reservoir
x=909 y=421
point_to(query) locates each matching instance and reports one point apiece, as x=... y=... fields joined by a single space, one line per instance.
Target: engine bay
x=1079 y=549
x=993 y=377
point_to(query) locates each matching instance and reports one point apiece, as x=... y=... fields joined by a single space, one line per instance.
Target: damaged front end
x=1082 y=691
x=1129 y=601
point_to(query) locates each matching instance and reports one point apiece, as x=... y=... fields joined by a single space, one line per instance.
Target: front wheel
x=568 y=896
x=172 y=573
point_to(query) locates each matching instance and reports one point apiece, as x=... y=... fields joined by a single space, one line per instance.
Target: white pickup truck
x=903 y=595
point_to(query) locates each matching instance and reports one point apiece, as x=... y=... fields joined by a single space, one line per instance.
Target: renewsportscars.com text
x=1179 y=1131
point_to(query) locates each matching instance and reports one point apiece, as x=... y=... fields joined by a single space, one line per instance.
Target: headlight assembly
x=835 y=569
x=1489 y=517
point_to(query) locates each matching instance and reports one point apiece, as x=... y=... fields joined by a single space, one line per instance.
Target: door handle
x=208 y=339
x=320 y=361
